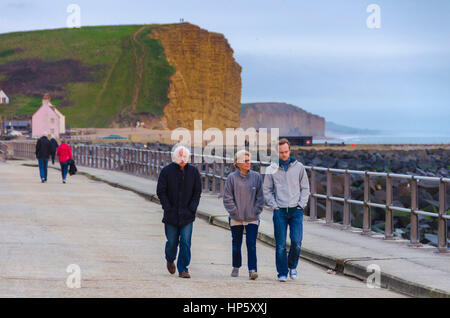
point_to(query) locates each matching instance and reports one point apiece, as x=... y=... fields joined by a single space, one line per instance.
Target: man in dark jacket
x=54 y=144
x=43 y=153
x=179 y=189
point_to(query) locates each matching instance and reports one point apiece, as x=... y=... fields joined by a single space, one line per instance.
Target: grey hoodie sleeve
x=228 y=196
x=304 y=189
x=259 y=204
x=269 y=191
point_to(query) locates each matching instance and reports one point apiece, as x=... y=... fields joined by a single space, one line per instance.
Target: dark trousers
x=182 y=237
x=43 y=167
x=64 y=169
x=282 y=218
x=251 y=233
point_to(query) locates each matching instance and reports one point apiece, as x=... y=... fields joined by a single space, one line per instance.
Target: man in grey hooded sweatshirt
x=244 y=199
x=286 y=191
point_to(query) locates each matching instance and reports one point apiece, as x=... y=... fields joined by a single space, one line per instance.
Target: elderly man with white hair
x=179 y=189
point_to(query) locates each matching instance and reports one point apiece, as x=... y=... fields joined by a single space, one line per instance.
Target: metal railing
x=3 y=151
x=148 y=163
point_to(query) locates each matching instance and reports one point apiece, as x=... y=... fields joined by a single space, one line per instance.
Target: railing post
x=91 y=156
x=199 y=168
x=152 y=162
x=214 y=178
x=206 y=184
x=329 y=211
x=96 y=156
x=366 y=217
x=146 y=162
x=347 y=214
x=414 y=233
x=313 y=204
x=157 y=162
x=135 y=162
x=222 y=182
x=109 y=158
x=389 y=222
x=442 y=223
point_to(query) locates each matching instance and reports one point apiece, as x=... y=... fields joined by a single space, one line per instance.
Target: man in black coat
x=179 y=189
x=43 y=153
x=54 y=144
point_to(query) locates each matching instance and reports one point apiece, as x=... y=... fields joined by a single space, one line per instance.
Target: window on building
x=52 y=120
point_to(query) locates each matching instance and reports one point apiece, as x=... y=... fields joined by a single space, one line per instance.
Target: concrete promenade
x=117 y=239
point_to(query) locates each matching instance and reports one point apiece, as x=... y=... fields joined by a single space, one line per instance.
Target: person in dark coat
x=179 y=189
x=43 y=153
x=54 y=148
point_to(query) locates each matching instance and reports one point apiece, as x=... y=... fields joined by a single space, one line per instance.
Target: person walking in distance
x=64 y=154
x=179 y=189
x=43 y=153
x=286 y=192
x=54 y=144
x=244 y=200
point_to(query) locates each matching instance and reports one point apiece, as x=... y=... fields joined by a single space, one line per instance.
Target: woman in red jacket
x=64 y=153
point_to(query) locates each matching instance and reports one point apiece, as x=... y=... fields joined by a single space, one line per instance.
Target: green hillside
x=97 y=76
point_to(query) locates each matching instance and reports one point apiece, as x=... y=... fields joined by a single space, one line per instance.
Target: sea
x=388 y=139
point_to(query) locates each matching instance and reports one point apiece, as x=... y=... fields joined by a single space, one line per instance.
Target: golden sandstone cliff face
x=291 y=120
x=207 y=83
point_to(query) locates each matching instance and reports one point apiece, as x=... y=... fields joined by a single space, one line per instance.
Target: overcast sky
x=319 y=55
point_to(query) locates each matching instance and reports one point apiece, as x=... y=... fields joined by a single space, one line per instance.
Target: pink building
x=3 y=98
x=48 y=119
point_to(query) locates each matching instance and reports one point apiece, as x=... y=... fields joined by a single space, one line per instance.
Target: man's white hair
x=45 y=133
x=179 y=153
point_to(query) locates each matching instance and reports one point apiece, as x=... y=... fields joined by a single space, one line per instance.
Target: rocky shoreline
x=433 y=162
x=425 y=162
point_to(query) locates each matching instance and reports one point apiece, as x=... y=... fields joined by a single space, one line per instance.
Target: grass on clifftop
x=103 y=94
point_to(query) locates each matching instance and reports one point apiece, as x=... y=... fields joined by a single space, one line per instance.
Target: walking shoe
x=293 y=273
x=171 y=268
x=64 y=181
x=42 y=180
x=253 y=274
x=235 y=272
x=184 y=275
x=282 y=278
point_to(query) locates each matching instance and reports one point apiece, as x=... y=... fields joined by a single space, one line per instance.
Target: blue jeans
x=43 y=167
x=179 y=236
x=251 y=233
x=281 y=219
x=64 y=169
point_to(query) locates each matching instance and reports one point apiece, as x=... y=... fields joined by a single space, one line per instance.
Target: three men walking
x=285 y=190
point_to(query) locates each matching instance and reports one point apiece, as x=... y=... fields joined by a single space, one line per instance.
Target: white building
x=3 y=98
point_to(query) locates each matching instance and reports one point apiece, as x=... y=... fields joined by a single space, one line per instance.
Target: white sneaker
x=293 y=273
x=282 y=278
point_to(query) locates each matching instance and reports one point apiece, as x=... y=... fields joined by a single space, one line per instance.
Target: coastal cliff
x=207 y=83
x=291 y=120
